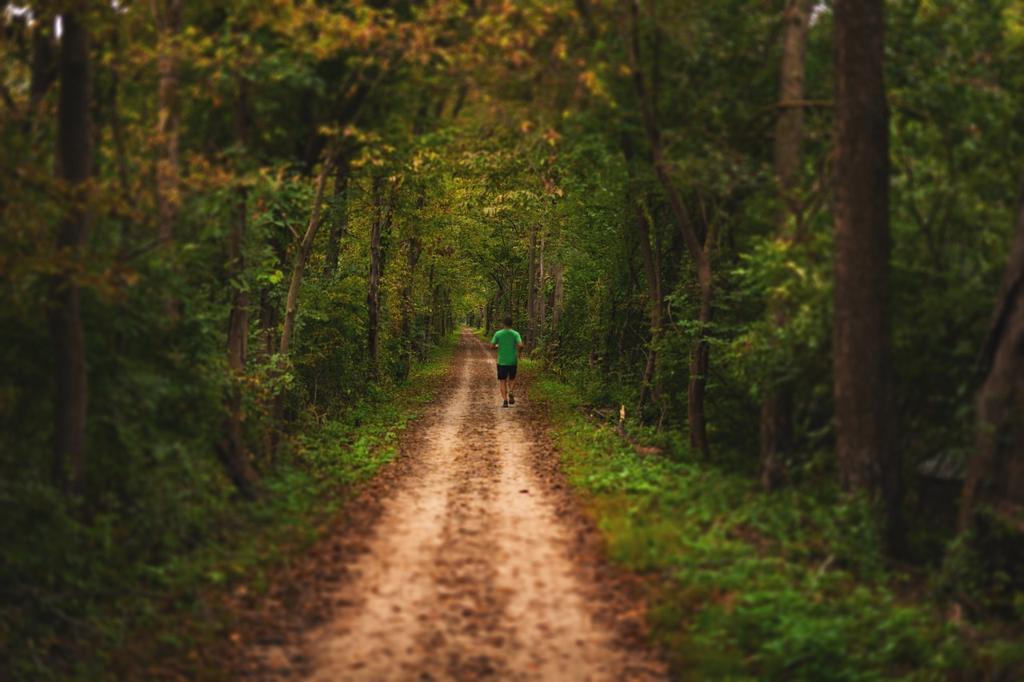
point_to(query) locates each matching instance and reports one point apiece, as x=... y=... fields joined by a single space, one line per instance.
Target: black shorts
x=506 y=371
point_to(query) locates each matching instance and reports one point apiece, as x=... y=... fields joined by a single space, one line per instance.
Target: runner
x=508 y=343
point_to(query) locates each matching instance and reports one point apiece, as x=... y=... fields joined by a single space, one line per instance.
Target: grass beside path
x=159 y=622
x=748 y=586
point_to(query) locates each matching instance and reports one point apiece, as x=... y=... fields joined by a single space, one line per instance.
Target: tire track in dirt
x=468 y=574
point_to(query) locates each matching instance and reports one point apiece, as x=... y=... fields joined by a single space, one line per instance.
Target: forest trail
x=468 y=571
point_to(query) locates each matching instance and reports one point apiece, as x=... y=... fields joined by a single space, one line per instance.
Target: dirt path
x=467 y=573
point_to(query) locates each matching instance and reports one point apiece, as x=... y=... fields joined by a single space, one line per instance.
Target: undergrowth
x=744 y=585
x=118 y=616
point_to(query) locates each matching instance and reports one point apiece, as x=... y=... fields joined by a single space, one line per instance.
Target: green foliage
x=509 y=139
x=90 y=589
x=979 y=570
x=743 y=585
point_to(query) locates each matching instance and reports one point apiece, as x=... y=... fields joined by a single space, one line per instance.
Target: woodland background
x=785 y=241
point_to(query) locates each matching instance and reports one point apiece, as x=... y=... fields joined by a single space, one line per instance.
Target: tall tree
x=532 y=292
x=291 y=307
x=861 y=341
x=382 y=214
x=412 y=257
x=231 y=449
x=74 y=166
x=301 y=256
x=557 y=296
x=698 y=241
x=650 y=255
x=777 y=407
x=413 y=251
x=541 y=298
x=234 y=454
x=995 y=475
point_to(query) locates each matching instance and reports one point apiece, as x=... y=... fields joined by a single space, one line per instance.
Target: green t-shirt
x=507 y=340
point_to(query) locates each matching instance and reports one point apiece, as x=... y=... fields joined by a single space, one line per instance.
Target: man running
x=508 y=343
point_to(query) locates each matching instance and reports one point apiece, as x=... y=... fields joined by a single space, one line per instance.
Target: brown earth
x=468 y=559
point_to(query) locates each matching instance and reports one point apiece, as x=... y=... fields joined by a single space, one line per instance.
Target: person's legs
x=512 y=384
x=503 y=383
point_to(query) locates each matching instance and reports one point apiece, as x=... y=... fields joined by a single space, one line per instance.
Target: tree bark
x=408 y=307
x=381 y=223
x=291 y=308
x=995 y=474
x=167 y=14
x=234 y=455
x=301 y=256
x=232 y=450
x=777 y=407
x=861 y=336
x=74 y=166
x=531 y=291
x=542 y=296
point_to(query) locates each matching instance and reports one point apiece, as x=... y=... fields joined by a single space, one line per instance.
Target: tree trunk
x=542 y=296
x=649 y=391
x=861 y=338
x=777 y=408
x=428 y=328
x=699 y=358
x=558 y=296
x=339 y=225
x=531 y=292
x=995 y=474
x=291 y=308
x=167 y=14
x=697 y=244
x=301 y=256
x=74 y=166
x=381 y=223
x=232 y=451
x=408 y=308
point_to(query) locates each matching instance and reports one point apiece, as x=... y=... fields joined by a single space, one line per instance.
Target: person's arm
x=494 y=346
